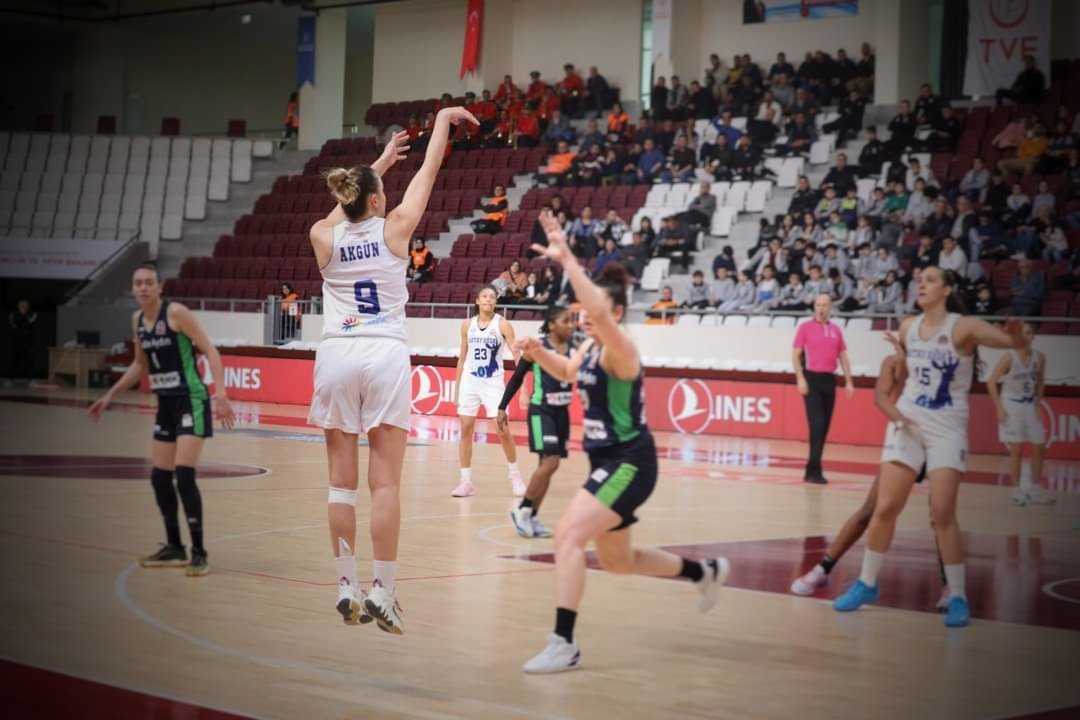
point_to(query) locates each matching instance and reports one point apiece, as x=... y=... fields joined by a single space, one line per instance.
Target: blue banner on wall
x=305 y=50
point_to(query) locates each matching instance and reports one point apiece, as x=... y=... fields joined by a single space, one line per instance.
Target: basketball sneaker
x=1019 y=497
x=540 y=530
x=810 y=582
x=517 y=483
x=1039 y=496
x=166 y=556
x=523 y=522
x=716 y=573
x=200 y=564
x=384 y=607
x=958 y=613
x=464 y=489
x=350 y=606
x=857 y=595
x=559 y=656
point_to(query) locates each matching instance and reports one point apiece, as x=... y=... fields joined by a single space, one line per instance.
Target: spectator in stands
x=506 y=90
x=665 y=135
x=649 y=165
x=558 y=205
x=546 y=286
x=963 y=221
x=988 y=239
x=527 y=131
x=596 y=91
x=658 y=99
x=588 y=167
x=445 y=100
x=701 y=104
x=511 y=282
x=917 y=170
x=884 y=262
x=724 y=126
x=864 y=233
x=713 y=75
x=1071 y=280
x=1026 y=290
x=582 y=236
x=618 y=124
x=746 y=159
x=791 y=296
x=723 y=286
x=875 y=209
x=928 y=107
x=937 y=224
x=680 y=164
x=862 y=264
x=558 y=128
x=773 y=256
x=702 y=207
x=745 y=96
x=648 y=232
x=835 y=257
x=850 y=120
x=486 y=111
x=887 y=296
x=673 y=243
x=841 y=289
x=923 y=254
x=828 y=205
x=697 y=297
x=610 y=254
x=1028 y=240
x=952 y=257
x=873 y=154
x=22 y=321
x=767 y=292
x=1011 y=135
x=613 y=227
x=810 y=231
x=781 y=67
x=863 y=81
x=549 y=103
x=636 y=256
x=570 y=90
x=816 y=284
x=751 y=70
x=944 y=132
x=1028 y=86
x=558 y=164
x=841 y=177
x=804 y=199
x=718 y=160
x=783 y=91
x=290 y=311
x=536 y=87
x=1017 y=206
x=997 y=195
x=975 y=181
x=725 y=259
x=734 y=75
x=1028 y=154
x=421 y=262
x=806 y=104
x=292 y=117
x=1054 y=243
x=745 y=294
x=496 y=210
x=656 y=314
x=592 y=136
x=902 y=130
x=1060 y=145
x=984 y=300
x=842 y=71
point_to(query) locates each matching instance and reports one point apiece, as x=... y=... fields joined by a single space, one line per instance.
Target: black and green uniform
x=549 y=414
x=622 y=453
x=183 y=401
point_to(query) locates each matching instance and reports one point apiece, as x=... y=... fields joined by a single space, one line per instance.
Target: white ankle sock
x=955 y=575
x=466 y=474
x=871 y=566
x=346 y=569
x=384 y=573
x=515 y=471
x=1026 y=480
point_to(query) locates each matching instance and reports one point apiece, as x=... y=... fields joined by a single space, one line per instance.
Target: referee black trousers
x=819 y=409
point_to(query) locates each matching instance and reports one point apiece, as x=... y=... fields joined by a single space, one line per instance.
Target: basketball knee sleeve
x=165 y=495
x=341 y=496
x=192 y=499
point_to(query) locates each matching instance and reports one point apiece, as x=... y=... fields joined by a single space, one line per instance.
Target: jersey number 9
x=367 y=297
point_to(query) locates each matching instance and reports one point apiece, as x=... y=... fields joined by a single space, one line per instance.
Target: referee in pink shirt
x=818 y=345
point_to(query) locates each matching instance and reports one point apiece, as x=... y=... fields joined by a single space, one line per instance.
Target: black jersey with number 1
x=171 y=356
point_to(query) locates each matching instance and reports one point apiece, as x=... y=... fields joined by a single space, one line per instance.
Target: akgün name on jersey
x=352 y=253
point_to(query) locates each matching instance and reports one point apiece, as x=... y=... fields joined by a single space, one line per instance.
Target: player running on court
x=622 y=456
x=362 y=366
x=548 y=420
x=167 y=336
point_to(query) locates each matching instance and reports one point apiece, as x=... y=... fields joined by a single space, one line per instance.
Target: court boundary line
x=160 y=695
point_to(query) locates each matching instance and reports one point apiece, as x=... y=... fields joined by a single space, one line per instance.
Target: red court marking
x=108 y=467
x=1005 y=574
x=33 y=693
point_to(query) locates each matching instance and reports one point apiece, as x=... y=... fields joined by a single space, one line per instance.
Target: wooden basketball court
x=259 y=636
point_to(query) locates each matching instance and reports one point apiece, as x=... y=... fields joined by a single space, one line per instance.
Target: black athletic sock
x=692 y=570
x=564 y=623
x=827 y=564
x=526 y=503
x=165 y=495
x=189 y=495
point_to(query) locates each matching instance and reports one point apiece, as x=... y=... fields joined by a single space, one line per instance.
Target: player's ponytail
x=352 y=187
x=954 y=303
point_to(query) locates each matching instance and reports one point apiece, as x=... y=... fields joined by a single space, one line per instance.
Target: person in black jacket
x=805 y=198
x=902 y=130
x=1028 y=86
x=945 y=131
x=22 y=320
x=851 y=110
x=597 y=91
x=928 y=107
x=841 y=176
x=873 y=154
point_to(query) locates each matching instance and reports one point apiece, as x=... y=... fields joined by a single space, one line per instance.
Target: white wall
x=418 y=49
x=242 y=328
x=359 y=63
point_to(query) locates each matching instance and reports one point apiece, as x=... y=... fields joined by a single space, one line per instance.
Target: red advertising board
x=685 y=405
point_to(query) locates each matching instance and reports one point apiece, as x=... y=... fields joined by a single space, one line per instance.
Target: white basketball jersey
x=364 y=291
x=1020 y=383
x=939 y=377
x=484 y=350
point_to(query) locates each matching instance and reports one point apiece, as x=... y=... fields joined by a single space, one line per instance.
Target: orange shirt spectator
x=655 y=317
x=1032 y=147
x=561 y=161
x=617 y=120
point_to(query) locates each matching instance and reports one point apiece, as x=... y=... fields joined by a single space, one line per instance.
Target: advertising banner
x=769 y=11
x=1000 y=34
x=53 y=259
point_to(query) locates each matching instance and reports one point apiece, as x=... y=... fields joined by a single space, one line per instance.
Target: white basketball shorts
x=361 y=383
x=475 y=393
x=940 y=441
x=1022 y=424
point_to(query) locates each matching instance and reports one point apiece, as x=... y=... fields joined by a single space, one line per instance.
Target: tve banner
x=53 y=259
x=1000 y=34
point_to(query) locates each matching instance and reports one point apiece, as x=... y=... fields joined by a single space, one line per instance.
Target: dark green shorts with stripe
x=623 y=476
x=549 y=430
x=182 y=415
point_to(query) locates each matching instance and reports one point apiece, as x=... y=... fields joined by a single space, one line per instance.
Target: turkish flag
x=470 y=54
